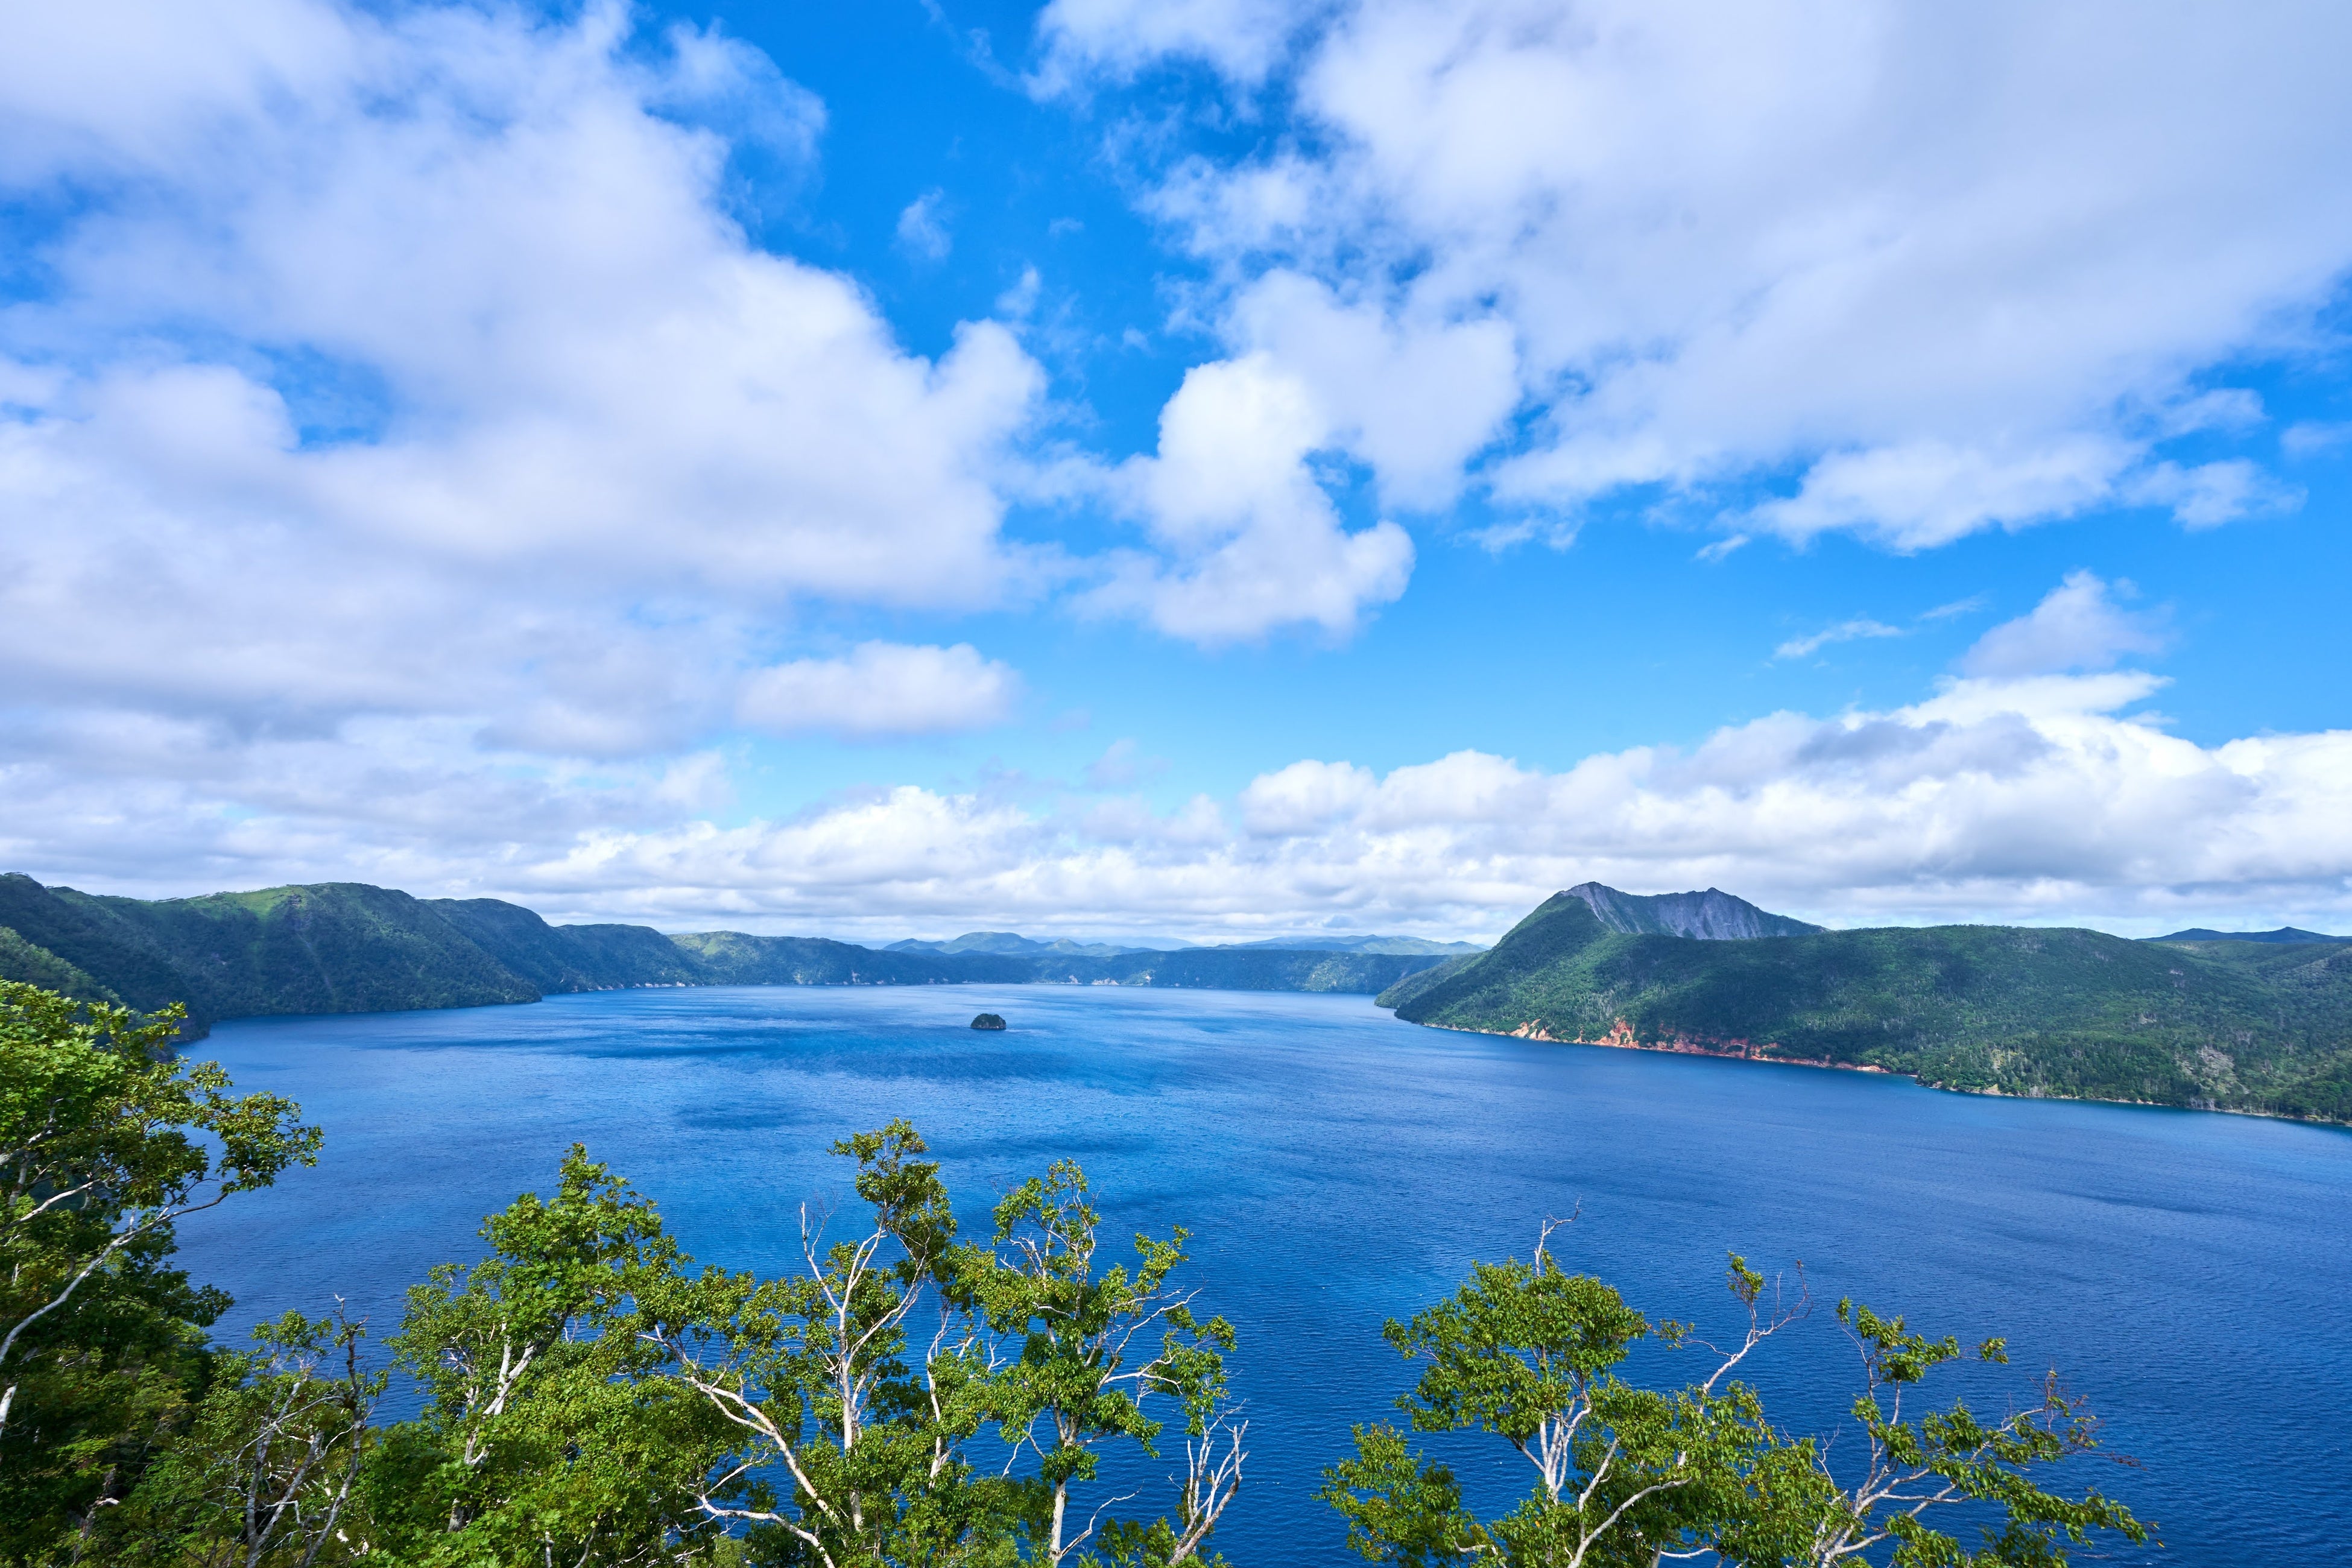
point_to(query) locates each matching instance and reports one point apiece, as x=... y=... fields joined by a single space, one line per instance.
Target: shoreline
x=1622 y=1039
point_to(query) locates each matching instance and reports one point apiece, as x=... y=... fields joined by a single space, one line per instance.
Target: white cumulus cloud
x=2039 y=797
x=881 y=689
x=1249 y=540
x=2077 y=626
x=1952 y=268
x=1088 y=37
x=408 y=363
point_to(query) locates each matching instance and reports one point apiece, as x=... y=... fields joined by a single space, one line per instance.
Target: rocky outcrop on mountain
x=1711 y=916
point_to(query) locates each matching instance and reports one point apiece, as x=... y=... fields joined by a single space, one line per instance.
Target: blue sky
x=1202 y=469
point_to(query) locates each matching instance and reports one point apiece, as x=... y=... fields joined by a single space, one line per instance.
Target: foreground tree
x=1092 y=1350
x=846 y=1442
x=1529 y=1352
x=264 y=1472
x=1627 y=1476
x=550 y=1432
x=860 y=1441
x=1915 y=1469
x=106 y=1142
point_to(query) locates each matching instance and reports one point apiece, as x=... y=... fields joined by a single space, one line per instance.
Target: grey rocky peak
x=1711 y=916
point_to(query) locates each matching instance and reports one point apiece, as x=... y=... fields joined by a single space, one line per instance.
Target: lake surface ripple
x=2187 y=1272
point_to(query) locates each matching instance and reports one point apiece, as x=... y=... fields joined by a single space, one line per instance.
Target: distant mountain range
x=1006 y=942
x=1413 y=946
x=347 y=947
x=2218 y=1023
x=2283 y=933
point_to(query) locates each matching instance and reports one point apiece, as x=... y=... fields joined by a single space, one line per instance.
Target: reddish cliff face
x=1621 y=1036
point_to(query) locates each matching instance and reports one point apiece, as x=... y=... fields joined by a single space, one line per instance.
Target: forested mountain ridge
x=2283 y=934
x=348 y=947
x=1993 y=1009
x=1008 y=941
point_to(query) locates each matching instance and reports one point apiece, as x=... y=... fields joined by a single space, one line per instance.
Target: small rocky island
x=988 y=1021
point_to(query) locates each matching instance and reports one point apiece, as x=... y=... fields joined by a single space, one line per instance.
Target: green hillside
x=1993 y=1009
x=87 y=935
x=556 y=959
x=731 y=958
x=347 y=947
x=32 y=965
x=1237 y=969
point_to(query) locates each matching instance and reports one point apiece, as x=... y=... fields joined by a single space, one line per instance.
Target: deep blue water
x=2189 y=1273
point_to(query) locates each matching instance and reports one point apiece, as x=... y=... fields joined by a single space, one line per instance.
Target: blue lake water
x=2189 y=1273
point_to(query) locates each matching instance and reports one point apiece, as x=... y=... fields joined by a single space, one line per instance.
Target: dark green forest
x=913 y=1393
x=2230 y=1026
x=347 y=947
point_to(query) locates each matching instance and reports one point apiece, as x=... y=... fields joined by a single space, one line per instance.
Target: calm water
x=2187 y=1272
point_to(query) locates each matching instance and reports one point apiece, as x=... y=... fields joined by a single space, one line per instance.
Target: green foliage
x=30 y=965
x=1529 y=1352
x=1991 y=1009
x=264 y=1471
x=588 y=1397
x=844 y=1449
x=856 y=1440
x=106 y=1141
x=1092 y=1348
x=549 y=1430
x=1627 y=1476
x=1915 y=1466
x=88 y=935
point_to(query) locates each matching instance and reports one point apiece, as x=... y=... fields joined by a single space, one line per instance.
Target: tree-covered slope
x=556 y=959
x=337 y=947
x=90 y=936
x=31 y=965
x=1238 y=969
x=2002 y=1009
x=732 y=958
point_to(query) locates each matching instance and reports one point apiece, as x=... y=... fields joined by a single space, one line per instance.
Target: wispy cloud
x=1854 y=630
x=2314 y=436
x=923 y=227
x=2211 y=494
